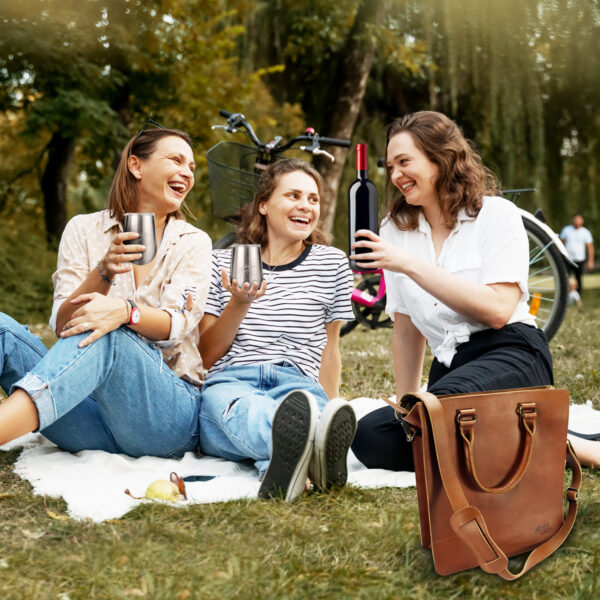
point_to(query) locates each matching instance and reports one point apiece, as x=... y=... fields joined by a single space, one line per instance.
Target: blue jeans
x=115 y=395
x=238 y=405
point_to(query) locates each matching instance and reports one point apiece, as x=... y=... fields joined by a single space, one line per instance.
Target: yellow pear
x=161 y=489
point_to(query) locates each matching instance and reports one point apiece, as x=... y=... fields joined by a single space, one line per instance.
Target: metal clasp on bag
x=409 y=431
x=404 y=407
x=528 y=413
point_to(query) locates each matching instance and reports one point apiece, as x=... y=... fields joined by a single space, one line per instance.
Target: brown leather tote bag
x=490 y=475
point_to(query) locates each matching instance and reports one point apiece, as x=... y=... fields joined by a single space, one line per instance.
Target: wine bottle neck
x=362 y=174
x=361 y=158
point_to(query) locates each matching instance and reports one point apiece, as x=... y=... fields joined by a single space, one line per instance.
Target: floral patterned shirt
x=178 y=282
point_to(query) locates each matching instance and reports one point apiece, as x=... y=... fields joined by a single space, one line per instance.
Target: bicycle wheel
x=548 y=280
x=372 y=317
x=347 y=327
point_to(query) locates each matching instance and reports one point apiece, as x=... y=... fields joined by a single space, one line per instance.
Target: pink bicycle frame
x=363 y=297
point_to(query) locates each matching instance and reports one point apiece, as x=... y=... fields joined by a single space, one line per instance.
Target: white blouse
x=489 y=248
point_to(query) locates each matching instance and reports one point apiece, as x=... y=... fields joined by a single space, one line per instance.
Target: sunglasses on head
x=147 y=125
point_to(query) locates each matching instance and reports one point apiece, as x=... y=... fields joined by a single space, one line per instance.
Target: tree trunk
x=54 y=185
x=122 y=106
x=345 y=98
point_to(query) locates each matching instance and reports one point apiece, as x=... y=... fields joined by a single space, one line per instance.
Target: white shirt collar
x=424 y=227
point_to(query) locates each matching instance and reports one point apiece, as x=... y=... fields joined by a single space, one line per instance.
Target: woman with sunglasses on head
x=125 y=374
x=455 y=259
x=272 y=351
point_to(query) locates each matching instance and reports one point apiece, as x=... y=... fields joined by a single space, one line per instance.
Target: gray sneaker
x=293 y=434
x=335 y=432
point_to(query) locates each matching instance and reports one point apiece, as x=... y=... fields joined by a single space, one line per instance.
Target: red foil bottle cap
x=362 y=163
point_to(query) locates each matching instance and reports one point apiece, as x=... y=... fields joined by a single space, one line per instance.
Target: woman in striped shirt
x=272 y=351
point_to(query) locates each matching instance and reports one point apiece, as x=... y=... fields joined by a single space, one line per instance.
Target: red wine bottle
x=362 y=206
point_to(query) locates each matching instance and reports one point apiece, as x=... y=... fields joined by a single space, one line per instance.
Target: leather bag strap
x=467 y=419
x=468 y=522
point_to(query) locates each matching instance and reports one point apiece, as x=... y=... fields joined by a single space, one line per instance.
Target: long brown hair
x=462 y=180
x=253 y=226
x=123 y=195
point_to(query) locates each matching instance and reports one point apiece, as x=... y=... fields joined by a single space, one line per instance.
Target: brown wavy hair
x=462 y=180
x=123 y=195
x=253 y=226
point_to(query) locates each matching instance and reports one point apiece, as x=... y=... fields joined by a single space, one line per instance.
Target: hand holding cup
x=119 y=257
x=243 y=292
x=246 y=264
x=245 y=282
x=144 y=224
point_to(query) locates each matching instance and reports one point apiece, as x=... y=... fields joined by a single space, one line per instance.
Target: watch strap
x=134 y=309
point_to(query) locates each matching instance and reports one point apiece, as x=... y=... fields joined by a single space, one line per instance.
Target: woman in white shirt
x=125 y=374
x=455 y=259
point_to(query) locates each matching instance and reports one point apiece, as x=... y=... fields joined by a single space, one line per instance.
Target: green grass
x=352 y=543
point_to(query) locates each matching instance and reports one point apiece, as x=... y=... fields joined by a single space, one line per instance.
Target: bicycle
x=548 y=280
x=233 y=168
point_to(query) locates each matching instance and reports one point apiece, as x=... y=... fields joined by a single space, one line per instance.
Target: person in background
x=125 y=375
x=272 y=351
x=580 y=247
x=455 y=259
x=574 y=297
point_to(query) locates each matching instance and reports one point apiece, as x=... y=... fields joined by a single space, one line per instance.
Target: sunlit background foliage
x=79 y=77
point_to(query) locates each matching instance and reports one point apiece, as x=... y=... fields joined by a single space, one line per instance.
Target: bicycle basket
x=232 y=175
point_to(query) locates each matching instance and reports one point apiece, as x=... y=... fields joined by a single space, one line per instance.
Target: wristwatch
x=134 y=315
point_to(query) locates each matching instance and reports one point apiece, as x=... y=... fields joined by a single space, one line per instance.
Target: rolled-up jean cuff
x=39 y=392
x=261 y=466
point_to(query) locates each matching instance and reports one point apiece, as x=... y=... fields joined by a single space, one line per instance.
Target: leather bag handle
x=468 y=522
x=467 y=418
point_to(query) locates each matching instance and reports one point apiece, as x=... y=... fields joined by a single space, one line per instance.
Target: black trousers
x=515 y=356
x=579 y=273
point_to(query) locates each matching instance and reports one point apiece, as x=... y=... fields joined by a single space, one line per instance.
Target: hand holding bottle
x=382 y=254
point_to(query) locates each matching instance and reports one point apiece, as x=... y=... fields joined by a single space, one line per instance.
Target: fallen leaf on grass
x=375 y=524
x=134 y=592
x=33 y=535
x=123 y=561
x=53 y=515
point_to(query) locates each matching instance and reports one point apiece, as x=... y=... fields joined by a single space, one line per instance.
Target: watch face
x=135 y=316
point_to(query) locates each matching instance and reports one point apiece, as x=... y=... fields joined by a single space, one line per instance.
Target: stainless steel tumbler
x=145 y=225
x=246 y=264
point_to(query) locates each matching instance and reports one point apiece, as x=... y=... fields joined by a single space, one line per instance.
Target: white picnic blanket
x=92 y=482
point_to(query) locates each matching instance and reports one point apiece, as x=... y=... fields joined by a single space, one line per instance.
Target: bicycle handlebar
x=335 y=142
x=235 y=120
